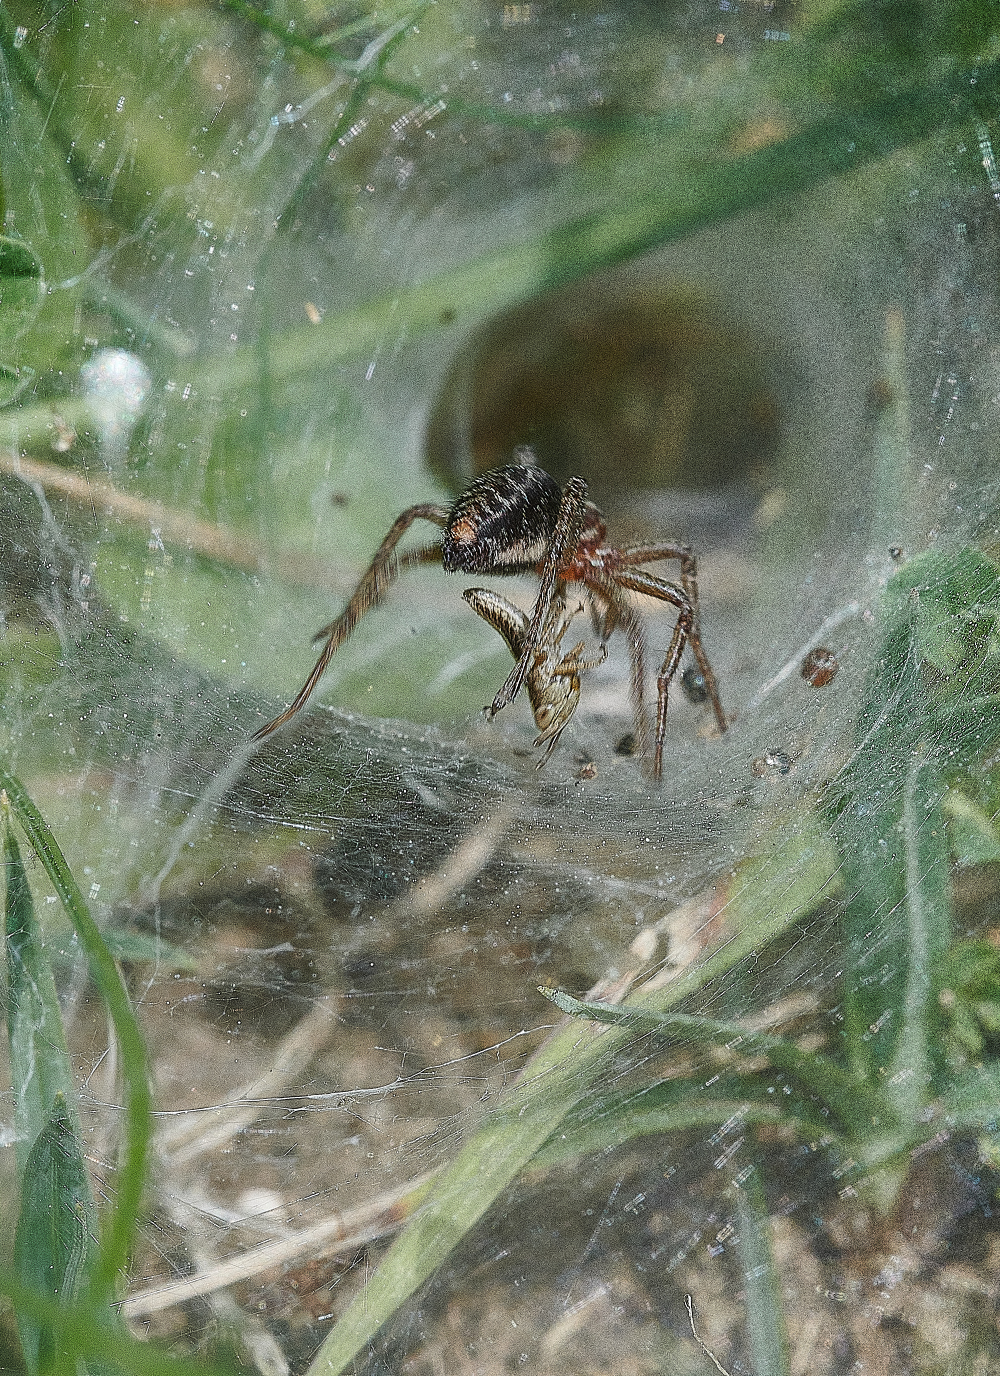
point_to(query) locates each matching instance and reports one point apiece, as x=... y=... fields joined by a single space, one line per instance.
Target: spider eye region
x=503 y=521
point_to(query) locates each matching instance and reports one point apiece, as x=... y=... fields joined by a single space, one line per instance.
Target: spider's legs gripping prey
x=381 y=572
x=651 y=554
x=553 y=679
x=565 y=538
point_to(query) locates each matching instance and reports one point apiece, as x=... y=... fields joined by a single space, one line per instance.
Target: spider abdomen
x=503 y=521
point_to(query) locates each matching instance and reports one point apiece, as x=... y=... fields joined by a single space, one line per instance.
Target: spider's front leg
x=381 y=572
x=563 y=543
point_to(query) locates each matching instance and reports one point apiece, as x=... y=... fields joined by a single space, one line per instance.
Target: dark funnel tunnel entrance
x=643 y=391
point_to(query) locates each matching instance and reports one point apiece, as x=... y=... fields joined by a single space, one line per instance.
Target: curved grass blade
x=39 y=1061
x=671 y=1107
x=55 y=1242
x=117 y=1235
x=854 y=1104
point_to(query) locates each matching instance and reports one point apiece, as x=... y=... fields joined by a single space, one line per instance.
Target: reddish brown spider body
x=515 y=519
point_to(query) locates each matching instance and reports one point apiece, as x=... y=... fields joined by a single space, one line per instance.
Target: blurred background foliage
x=309 y=226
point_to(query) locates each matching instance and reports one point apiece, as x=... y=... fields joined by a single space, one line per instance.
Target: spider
x=515 y=519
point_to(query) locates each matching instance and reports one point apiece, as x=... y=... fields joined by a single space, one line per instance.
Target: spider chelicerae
x=515 y=520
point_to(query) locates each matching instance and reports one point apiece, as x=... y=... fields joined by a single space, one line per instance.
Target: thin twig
x=835 y=619
x=700 y=1341
x=469 y=858
x=200 y=537
x=345 y=1232
x=260 y=1345
x=192 y=1138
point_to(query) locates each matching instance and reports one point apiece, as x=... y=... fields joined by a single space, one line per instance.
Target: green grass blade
x=670 y=1107
x=55 y=1241
x=39 y=1061
x=765 y=1319
x=53 y=1244
x=100 y=1341
x=929 y=927
x=865 y=808
x=117 y=1235
x=855 y=1105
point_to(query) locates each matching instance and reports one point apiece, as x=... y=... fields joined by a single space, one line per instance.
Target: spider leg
x=603 y=616
x=638 y=580
x=651 y=554
x=412 y=559
x=381 y=572
x=616 y=610
x=565 y=538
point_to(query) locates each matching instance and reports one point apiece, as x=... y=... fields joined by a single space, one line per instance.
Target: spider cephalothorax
x=515 y=519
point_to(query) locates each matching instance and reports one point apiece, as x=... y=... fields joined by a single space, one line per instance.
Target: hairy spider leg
x=638 y=580
x=651 y=554
x=611 y=609
x=381 y=572
x=565 y=538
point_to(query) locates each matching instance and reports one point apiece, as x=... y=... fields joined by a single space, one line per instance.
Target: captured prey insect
x=553 y=678
x=516 y=520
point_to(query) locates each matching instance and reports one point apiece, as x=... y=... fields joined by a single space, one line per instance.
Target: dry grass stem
x=469 y=858
x=700 y=1341
x=191 y=1137
x=792 y=665
x=215 y=542
x=346 y=1232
